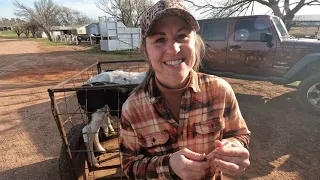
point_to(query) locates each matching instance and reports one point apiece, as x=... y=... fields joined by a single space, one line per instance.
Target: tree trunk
x=34 y=35
x=48 y=34
x=289 y=23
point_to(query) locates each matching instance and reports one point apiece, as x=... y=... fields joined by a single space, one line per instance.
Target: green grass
x=47 y=42
x=10 y=35
x=93 y=50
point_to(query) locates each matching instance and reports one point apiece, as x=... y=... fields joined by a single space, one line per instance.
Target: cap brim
x=175 y=12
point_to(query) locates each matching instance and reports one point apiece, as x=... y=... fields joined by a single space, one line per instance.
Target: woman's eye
x=160 y=40
x=181 y=36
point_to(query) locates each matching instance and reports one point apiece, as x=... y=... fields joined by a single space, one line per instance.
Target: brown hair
x=199 y=50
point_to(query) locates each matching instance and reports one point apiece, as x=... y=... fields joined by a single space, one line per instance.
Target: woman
x=172 y=122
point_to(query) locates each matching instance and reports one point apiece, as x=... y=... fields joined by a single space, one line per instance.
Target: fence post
x=131 y=40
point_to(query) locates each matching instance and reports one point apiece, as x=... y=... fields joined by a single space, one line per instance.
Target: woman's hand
x=230 y=157
x=188 y=164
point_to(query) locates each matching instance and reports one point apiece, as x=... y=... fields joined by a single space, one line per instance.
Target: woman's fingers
x=187 y=164
x=235 y=151
x=193 y=155
x=194 y=165
x=226 y=165
x=232 y=158
x=240 y=161
x=230 y=167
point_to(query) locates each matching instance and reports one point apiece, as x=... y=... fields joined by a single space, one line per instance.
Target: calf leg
x=107 y=127
x=89 y=135
x=96 y=143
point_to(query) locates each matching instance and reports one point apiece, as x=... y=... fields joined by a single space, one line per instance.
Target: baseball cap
x=164 y=8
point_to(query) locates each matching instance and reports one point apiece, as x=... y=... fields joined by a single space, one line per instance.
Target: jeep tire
x=308 y=94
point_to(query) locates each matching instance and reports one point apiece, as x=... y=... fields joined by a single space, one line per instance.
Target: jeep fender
x=308 y=59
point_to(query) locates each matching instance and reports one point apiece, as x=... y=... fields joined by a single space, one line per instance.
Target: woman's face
x=170 y=48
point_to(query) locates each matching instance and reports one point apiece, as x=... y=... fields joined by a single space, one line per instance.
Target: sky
x=89 y=8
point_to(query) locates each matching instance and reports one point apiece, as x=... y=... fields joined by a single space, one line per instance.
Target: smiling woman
x=171 y=52
x=173 y=123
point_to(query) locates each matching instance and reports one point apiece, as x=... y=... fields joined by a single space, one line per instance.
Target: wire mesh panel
x=88 y=116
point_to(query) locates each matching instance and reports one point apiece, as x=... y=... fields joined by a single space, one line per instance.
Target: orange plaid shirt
x=149 y=134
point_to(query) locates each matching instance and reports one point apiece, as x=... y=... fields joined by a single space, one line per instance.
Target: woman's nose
x=173 y=48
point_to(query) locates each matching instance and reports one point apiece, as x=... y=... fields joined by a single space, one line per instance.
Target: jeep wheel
x=308 y=94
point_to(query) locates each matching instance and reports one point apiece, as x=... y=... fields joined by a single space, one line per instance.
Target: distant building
x=307 y=20
x=5 y=28
x=75 y=30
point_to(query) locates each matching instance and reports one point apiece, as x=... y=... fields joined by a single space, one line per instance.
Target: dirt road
x=284 y=141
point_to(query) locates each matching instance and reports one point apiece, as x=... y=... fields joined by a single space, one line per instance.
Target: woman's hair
x=199 y=50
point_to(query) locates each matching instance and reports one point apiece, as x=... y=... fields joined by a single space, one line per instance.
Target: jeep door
x=214 y=35
x=246 y=54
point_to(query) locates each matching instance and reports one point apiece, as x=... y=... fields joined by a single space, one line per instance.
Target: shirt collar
x=155 y=94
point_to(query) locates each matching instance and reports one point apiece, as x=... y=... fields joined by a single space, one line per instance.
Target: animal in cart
x=99 y=104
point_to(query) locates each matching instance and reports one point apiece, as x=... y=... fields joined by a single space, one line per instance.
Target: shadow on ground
x=284 y=137
x=42 y=170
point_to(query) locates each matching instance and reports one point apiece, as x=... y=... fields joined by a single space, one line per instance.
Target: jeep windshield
x=281 y=28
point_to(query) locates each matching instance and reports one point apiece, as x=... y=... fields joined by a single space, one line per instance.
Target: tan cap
x=165 y=8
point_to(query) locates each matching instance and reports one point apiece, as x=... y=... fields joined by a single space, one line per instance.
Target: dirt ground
x=284 y=143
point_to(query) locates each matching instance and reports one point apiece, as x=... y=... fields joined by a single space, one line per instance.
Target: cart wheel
x=80 y=165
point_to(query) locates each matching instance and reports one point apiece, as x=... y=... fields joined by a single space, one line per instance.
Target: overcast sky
x=89 y=8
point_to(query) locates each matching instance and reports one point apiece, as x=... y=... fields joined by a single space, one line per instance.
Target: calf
x=101 y=103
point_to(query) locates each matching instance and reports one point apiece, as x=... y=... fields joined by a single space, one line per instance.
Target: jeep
x=260 y=48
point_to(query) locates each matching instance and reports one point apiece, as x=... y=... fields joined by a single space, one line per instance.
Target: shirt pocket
x=156 y=143
x=210 y=126
x=205 y=133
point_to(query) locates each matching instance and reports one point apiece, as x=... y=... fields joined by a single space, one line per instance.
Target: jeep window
x=214 y=31
x=280 y=26
x=250 y=30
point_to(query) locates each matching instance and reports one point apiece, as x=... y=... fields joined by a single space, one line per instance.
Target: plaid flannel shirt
x=149 y=134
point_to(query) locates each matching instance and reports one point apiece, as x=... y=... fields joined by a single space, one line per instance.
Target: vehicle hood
x=302 y=43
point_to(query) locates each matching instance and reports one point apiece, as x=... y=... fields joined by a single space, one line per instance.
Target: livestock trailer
x=71 y=118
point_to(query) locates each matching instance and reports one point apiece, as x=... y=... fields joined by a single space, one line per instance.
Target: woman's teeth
x=174 y=63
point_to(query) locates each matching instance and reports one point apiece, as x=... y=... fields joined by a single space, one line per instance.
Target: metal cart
x=71 y=118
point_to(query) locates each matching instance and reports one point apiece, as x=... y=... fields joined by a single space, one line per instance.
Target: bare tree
x=18 y=29
x=68 y=16
x=32 y=26
x=45 y=13
x=126 y=11
x=285 y=9
x=26 y=31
